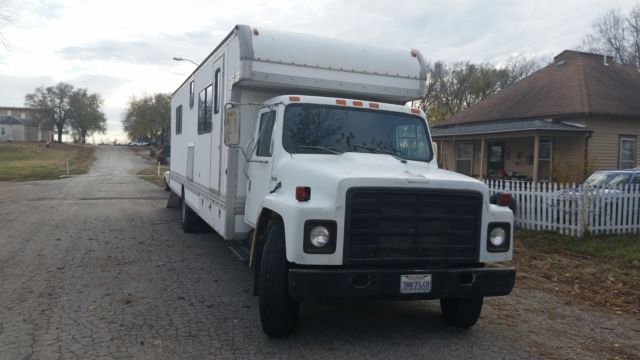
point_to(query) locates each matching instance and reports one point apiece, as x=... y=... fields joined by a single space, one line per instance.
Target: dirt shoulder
x=599 y=272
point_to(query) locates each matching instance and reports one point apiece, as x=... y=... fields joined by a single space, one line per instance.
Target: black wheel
x=278 y=310
x=461 y=312
x=189 y=218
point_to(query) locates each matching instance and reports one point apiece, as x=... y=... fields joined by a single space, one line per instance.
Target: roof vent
x=561 y=63
x=605 y=60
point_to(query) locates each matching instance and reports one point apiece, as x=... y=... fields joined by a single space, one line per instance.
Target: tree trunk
x=60 y=135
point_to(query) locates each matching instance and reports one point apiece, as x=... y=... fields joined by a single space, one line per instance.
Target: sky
x=122 y=49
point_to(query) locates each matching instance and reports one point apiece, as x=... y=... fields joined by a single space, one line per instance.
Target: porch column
x=482 y=166
x=536 y=153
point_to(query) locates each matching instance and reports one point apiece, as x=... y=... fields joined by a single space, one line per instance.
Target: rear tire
x=278 y=310
x=189 y=218
x=461 y=312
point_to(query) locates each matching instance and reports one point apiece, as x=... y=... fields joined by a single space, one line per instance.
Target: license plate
x=415 y=283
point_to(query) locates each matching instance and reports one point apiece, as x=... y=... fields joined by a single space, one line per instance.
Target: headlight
x=319 y=236
x=499 y=237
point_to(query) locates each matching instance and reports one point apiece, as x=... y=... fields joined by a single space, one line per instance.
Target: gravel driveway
x=95 y=267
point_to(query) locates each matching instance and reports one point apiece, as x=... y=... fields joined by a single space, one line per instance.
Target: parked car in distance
x=600 y=187
x=136 y=143
x=613 y=178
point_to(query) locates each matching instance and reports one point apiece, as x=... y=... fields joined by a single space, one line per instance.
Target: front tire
x=189 y=218
x=278 y=310
x=461 y=312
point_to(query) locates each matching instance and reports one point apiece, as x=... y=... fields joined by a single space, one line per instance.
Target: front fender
x=294 y=215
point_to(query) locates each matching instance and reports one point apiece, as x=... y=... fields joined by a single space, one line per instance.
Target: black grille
x=426 y=226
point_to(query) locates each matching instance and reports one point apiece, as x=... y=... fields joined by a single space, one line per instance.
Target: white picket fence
x=572 y=209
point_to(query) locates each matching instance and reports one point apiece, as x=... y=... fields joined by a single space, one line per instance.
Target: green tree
x=86 y=117
x=148 y=118
x=52 y=105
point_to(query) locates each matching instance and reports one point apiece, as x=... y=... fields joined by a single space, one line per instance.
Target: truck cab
x=351 y=193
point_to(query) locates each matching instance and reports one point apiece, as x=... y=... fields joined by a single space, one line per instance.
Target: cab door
x=260 y=164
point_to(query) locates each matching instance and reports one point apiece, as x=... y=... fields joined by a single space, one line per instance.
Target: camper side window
x=179 y=120
x=216 y=105
x=266 y=130
x=205 y=103
x=192 y=90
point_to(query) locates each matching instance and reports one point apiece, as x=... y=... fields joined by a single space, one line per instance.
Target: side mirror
x=231 y=125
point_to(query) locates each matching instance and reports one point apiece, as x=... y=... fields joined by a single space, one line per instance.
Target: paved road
x=96 y=267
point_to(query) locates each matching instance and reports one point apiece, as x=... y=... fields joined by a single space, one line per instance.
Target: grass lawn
x=34 y=161
x=151 y=174
x=600 y=271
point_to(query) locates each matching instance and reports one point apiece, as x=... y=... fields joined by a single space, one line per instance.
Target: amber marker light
x=303 y=193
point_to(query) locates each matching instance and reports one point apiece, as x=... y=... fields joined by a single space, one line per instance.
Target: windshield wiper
x=317 y=147
x=380 y=151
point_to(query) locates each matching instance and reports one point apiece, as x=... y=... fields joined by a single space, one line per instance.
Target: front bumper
x=330 y=284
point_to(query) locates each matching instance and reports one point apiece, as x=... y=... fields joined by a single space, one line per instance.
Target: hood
x=328 y=172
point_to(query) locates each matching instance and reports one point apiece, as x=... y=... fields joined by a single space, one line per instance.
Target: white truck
x=300 y=151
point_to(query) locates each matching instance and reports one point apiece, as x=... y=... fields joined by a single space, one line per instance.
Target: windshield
x=324 y=129
x=608 y=179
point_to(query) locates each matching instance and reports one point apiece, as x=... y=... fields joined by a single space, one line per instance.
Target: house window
x=179 y=120
x=464 y=157
x=266 y=130
x=192 y=90
x=205 y=103
x=545 y=154
x=627 y=153
x=2 y=131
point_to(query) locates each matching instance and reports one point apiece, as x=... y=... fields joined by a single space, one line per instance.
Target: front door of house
x=496 y=157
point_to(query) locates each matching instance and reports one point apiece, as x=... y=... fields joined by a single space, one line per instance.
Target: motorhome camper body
x=332 y=176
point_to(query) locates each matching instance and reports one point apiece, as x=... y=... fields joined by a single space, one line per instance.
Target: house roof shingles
x=576 y=84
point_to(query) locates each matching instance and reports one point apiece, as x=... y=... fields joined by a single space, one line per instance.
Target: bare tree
x=5 y=17
x=633 y=24
x=617 y=35
x=454 y=87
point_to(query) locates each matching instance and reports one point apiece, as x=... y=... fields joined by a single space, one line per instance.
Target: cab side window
x=267 y=120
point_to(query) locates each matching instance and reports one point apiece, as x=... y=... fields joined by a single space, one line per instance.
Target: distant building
x=20 y=124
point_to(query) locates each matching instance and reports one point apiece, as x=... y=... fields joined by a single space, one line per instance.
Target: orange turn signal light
x=303 y=193
x=504 y=199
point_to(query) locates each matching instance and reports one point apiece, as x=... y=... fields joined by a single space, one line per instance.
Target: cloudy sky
x=124 y=48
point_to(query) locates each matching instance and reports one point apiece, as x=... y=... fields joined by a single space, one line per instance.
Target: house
x=583 y=108
x=19 y=124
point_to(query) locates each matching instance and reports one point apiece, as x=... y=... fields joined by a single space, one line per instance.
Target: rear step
x=241 y=251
